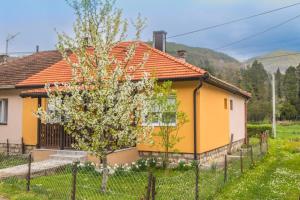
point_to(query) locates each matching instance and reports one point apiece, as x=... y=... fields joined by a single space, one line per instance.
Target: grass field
x=277 y=176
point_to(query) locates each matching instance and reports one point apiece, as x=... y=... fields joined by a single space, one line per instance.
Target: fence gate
x=53 y=136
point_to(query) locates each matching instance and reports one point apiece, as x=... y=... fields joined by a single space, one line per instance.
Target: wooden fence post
x=23 y=146
x=241 y=158
x=28 y=173
x=153 y=188
x=230 y=145
x=251 y=154
x=7 y=147
x=267 y=143
x=260 y=144
x=225 y=168
x=74 y=180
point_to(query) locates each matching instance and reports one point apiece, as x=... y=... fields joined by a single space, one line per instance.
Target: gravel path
x=36 y=167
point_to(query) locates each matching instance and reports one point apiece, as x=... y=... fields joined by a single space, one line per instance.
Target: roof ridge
x=30 y=56
x=193 y=67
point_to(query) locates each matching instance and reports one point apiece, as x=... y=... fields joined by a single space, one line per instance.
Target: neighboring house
x=215 y=109
x=11 y=103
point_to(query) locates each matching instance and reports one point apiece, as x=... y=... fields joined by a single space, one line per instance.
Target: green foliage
x=183 y=166
x=290 y=86
x=254 y=130
x=255 y=80
x=278 y=83
x=287 y=111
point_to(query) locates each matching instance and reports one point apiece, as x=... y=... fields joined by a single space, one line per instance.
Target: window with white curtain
x=3 y=111
x=160 y=118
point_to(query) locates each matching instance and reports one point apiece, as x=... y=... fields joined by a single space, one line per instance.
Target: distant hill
x=278 y=60
x=203 y=57
x=218 y=64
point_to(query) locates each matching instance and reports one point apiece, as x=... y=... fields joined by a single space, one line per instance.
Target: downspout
x=202 y=78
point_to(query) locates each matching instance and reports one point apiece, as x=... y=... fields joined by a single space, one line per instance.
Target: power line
x=258 y=33
x=283 y=42
x=233 y=21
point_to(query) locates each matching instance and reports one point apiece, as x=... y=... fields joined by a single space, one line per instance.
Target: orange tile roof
x=162 y=65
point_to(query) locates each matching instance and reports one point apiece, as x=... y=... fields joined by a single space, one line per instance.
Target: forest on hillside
x=256 y=80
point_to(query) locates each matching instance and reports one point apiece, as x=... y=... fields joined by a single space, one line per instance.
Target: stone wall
x=15 y=149
x=205 y=158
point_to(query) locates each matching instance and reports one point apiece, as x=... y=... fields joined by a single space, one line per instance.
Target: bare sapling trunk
x=105 y=173
x=166 y=158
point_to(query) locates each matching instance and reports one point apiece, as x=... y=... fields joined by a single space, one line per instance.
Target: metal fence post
x=149 y=186
x=7 y=147
x=197 y=181
x=153 y=188
x=241 y=158
x=74 y=180
x=28 y=177
x=225 y=168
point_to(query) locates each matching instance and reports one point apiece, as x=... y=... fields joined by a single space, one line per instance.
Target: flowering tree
x=168 y=117
x=101 y=106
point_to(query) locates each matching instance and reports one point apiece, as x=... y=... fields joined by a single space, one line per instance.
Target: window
x=3 y=111
x=163 y=118
x=225 y=103
x=231 y=104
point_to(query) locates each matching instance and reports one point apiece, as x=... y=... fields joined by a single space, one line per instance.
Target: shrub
x=87 y=167
x=255 y=129
x=152 y=162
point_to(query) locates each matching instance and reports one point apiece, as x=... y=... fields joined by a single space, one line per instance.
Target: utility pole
x=9 y=37
x=274 y=105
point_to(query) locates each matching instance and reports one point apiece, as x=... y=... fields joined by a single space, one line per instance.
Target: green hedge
x=255 y=129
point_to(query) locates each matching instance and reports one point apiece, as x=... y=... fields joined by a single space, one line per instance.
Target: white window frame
x=159 y=123
x=4 y=111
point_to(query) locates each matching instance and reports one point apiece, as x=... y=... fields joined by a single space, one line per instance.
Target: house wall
x=185 y=96
x=13 y=130
x=237 y=118
x=214 y=118
x=30 y=106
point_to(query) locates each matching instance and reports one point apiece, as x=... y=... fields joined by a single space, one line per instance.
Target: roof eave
x=7 y=87
x=216 y=82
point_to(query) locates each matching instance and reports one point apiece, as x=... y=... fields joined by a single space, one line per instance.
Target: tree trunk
x=166 y=158
x=104 y=174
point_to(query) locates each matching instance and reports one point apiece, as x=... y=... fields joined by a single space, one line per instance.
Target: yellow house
x=216 y=110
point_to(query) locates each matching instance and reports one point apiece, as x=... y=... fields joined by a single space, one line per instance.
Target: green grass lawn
x=277 y=176
x=12 y=160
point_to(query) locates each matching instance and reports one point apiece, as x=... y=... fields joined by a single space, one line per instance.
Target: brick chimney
x=159 y=40
x=181 y=54
x=3 y=58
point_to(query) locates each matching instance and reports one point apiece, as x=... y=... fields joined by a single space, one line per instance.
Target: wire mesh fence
x=62 y=179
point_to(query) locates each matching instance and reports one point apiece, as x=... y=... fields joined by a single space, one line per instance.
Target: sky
x=38 y=21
